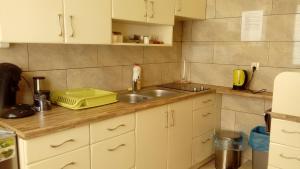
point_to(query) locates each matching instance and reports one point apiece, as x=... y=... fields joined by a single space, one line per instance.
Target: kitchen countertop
x=285 y=117
x=59 y=118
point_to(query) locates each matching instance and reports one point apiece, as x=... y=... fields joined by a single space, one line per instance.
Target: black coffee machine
x=10 y=75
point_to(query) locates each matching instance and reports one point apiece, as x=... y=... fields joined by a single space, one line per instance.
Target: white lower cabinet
x=284 y=157
x=78 y=159
x=203 y=147
x=152 y=138
x=115 y=153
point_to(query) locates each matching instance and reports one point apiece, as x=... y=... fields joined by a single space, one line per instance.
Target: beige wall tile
x=152 y=74
x=234 y=8
x=214 y=74
x=106 y=78
x=268 y=104
x=171 y=72
x=177 y=32
x=217 y=30
x=241 y=53
x=227 y=120
x=126 y=77
x=243 y=104
x=198 y=52
x=283 y=27
x=120 y=55
x=187 y=31
x=286 y=6
x=55 y=80
x=16 y=54
x=210 y=9
x=284 y=54
x=162 y=54
x=51 y=56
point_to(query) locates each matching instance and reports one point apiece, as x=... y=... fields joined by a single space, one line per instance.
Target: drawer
x=115 y=153
x=112 y=127
x=54 y=144
x=78 y=159
x=284 y=157
x=285 y=132
x=204 y=120
x=202 y=147
x=203 y=101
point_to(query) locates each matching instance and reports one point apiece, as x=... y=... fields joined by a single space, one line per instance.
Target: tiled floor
x=211 y=165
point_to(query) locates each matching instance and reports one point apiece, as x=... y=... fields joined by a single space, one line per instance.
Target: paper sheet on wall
x=252 y=26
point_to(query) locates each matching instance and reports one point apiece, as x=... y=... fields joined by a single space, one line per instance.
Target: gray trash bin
x=228 y=149
x=259 y=141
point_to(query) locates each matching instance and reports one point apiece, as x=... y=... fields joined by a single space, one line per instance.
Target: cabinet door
x=87 y=21
x=115 y=153
x=32 y=21
x=195 y=9
x=160 y=11
x=130 y=10
x=180 y=135
x=152 y=136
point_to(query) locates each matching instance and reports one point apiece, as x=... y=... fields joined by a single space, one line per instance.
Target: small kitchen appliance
x=240 y=79
x=10 y=75
x=41 y=96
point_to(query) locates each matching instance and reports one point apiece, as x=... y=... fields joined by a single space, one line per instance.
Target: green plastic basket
x=83 y=98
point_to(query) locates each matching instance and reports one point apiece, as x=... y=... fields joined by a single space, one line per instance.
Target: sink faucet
x=136 y=75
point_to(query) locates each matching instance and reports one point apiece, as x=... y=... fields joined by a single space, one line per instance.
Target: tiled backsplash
x=99 y=66
x=214 y=45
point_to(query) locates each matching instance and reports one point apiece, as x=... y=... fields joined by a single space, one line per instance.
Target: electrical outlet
x=255 y=64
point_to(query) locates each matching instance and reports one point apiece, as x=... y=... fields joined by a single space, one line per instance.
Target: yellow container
x=83 y=98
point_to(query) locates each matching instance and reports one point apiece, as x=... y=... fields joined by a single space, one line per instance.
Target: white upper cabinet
x=87 y=21
x=131 y=10
x=160 y=12
x=32 y=21
x=150 y=11
x=56 y=21
x=194 y=9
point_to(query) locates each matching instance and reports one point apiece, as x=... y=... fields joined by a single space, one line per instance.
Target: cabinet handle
x=115 y=148
x=146 y=8
x=167 y=119
x=71 y=163
x=152 y=6
x=72 y=28
x=205 y=141
x=115 y=128
x=179 y=9
x=172 y=118
x=207 y=101
x=289 y=158
x=60 y=26
x=205 y=115
x=58 y=145
x=290 y=132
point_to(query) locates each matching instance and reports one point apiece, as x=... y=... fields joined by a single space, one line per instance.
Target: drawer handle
x=290 y=132
x=115 y=148
x=205 y=141
x=207 y=101
x=115 y=128
x=205 y=115
x=71 y=163
x=289 y=158
x=58 y=145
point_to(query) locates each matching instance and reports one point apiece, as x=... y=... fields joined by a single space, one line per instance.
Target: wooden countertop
x=59 y=118
x=285 y=117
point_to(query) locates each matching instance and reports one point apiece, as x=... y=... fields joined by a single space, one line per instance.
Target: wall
x=213 y=49
x=98 y=66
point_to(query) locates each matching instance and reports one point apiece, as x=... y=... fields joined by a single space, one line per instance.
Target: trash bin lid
x=228 y=135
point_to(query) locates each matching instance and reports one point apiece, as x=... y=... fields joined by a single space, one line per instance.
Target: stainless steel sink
x=133 y=98
x=160 y=93
x=146 y=95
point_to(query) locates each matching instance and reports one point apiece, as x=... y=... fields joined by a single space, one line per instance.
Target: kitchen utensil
x=240 y=79
x=83 y=98
x=41 y=97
